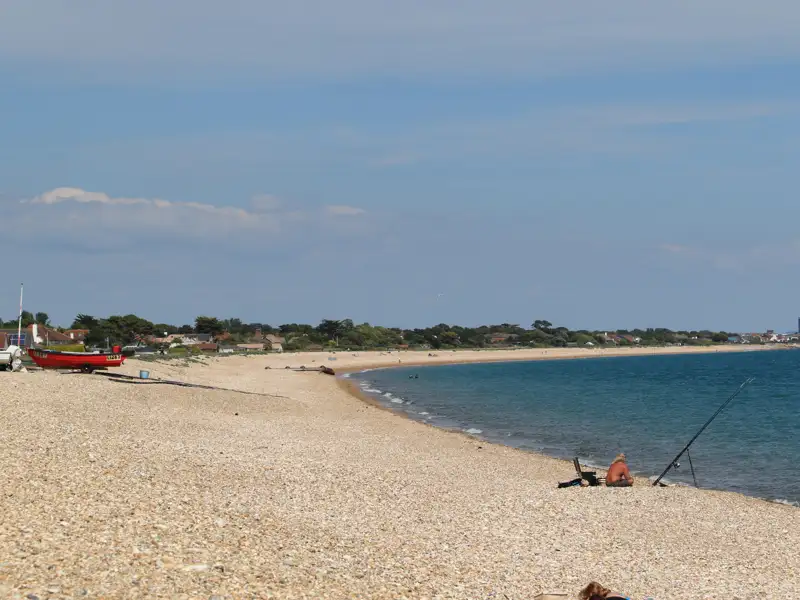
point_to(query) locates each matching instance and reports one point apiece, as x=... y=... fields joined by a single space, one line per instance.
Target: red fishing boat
x=85 y=361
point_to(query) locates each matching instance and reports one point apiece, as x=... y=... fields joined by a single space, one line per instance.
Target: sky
x=598 y=165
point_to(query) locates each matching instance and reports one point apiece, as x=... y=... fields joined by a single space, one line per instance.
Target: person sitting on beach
x=595 y=591
x=618 y=474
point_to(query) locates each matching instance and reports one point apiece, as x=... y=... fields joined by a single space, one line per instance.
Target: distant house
x=250 y=347
x=50 y=337
x=78 y=335
x=9 y=338
x=186 y=339
x=274 y=342
x=190 y=339
x=206 y=346
x=34 y=335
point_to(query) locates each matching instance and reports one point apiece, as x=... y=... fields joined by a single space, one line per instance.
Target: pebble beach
x=302 y=490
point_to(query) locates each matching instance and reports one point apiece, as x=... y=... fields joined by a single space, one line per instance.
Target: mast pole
x=19 y=322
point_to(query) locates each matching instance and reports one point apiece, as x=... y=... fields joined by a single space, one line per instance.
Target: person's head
x=620 y=458
x=594 y=591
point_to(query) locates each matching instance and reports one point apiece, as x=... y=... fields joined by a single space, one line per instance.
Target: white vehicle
x=11 y=359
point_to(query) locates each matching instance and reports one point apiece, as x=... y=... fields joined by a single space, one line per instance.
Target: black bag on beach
x=572 y=483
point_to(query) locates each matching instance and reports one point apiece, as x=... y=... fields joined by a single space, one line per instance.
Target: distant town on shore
x=210 y=334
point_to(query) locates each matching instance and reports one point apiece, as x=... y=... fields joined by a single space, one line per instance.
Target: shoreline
x=642 y=479
x=141 y=490
x=422 y=358
x=349 y=386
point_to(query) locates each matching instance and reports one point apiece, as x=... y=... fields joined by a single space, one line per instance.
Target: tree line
x=345 y=334
x=28 y=318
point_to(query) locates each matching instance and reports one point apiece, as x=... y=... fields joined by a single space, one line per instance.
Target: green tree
x=233 y=326
x=162 y=328
x=331 y=329
x=450 y=338
x=84 y=322
x=212 y=325
x=298 y=342
x=42 y=318
x=127 y=329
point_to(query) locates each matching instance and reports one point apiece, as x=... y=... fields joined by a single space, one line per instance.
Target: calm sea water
x=649 y=407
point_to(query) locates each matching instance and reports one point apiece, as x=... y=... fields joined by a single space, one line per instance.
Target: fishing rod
x=674 y=463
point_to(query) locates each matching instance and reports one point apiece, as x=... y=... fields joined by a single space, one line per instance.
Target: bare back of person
x=618 y=473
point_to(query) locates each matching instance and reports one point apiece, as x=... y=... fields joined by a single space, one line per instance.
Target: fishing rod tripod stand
x=674 y=464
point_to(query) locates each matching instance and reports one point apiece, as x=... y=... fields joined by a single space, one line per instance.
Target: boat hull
x=85 y=361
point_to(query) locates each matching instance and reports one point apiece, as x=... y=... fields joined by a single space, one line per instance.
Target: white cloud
x=99 y=219
x=343 y=210
x=281 y=38
x=67 y=194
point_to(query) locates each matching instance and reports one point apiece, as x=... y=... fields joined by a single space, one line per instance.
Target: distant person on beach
x=595 y=591
x=618 y=474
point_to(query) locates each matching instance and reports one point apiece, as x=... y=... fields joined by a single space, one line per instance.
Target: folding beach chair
x=590 y=476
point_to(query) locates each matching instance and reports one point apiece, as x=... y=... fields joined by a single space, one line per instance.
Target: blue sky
x=601 y=166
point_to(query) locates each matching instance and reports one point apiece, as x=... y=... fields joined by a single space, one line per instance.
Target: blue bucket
x=144 y=374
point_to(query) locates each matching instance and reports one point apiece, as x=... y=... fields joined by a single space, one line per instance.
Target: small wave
x=424 y=414
x=473 y=431
x=397 y=400
x=666 y=481
x=786 y=502
x=346 y=376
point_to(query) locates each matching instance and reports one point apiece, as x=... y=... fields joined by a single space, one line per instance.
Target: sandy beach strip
x=115 y=490
x=343 y=361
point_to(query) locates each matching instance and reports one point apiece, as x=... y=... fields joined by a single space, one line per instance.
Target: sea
x=646 y=406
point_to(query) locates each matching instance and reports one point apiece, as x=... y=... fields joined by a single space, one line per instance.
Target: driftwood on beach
x=120 y=378
x=303 y=369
